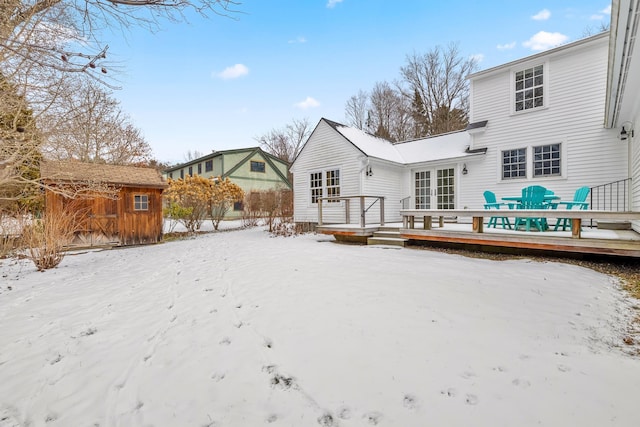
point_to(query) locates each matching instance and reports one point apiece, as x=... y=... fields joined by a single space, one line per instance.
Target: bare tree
x=357 y=109
x=64 y=34
x=192 y=155
x=86 y=123
x=285 y=143
x=439 y=79
x=41 y=42
x=389 y=115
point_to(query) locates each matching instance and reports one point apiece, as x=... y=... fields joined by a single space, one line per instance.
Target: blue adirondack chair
x=579 y=202
x=532 y=198
x=492 y=203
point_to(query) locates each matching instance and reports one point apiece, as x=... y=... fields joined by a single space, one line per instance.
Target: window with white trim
x=529 y=88
x=333 y=183
x=325 y=184
x=315 y=181
x=546 y=160
x=514 y=163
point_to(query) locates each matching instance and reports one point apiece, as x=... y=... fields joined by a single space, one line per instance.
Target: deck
x=592 y=241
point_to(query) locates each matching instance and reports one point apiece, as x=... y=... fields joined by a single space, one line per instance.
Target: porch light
x=464 y=169
x=369 y=172
x=626 y=132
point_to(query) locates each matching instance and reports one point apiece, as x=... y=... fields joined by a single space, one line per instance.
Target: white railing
x=347 y=207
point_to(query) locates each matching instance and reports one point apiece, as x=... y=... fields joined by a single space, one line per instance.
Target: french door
x=434 y=189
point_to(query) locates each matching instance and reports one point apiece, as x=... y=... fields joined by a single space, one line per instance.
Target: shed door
x=100 y=225
x=434 y=189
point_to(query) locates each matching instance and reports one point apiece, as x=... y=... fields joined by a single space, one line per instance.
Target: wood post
x=478 y=224
x=576 y=227
x=426 y=223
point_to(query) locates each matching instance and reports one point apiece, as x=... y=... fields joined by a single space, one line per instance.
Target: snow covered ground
x=238 y=328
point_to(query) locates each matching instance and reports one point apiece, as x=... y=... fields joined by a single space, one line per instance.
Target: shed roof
x=75 y=171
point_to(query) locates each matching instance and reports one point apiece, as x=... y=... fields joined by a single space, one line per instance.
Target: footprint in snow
x=218 y=376
x=272 y=418
x=344 y=412
x=373 y=418
x=450 y=392
x=225 y=341
x=327 y=420
x=409 y=401
x=471 y=399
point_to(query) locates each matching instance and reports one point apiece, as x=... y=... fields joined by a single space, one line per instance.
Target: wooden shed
x=132 y=217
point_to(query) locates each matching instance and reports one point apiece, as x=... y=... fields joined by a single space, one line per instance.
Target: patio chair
x=492 y=203
x=579 y=201
x=532 y=198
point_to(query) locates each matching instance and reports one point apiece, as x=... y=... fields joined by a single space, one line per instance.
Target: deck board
x=622 y=243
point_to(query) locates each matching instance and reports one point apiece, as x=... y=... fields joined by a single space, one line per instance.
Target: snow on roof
x=371 y=145
x=441 y=147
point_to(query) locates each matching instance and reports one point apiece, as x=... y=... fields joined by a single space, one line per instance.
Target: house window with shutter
x=140 y=202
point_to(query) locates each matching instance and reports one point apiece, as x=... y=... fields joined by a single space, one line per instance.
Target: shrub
x=45 y=238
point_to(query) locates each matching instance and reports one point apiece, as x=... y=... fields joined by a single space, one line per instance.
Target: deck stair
x=388 y=236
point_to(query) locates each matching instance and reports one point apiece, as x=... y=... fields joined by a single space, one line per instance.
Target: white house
x=538 y=120
x=622 y=105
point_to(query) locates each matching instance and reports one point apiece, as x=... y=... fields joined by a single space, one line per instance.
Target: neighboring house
x=133 y=218
x=538 y=120
x=622 y=107
x=252 y=169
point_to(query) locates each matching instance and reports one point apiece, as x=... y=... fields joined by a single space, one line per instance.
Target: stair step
x=385 y=233
x=390 y=241
x=614 y=225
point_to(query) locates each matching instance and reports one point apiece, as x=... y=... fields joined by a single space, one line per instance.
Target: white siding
x=326 y=149
x=573 y=116
x=386 y=181
x=634 y=156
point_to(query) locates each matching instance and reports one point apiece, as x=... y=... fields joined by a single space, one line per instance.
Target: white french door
x=435 y=189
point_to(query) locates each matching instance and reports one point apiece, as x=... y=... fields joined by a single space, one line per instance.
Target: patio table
x=518 y=199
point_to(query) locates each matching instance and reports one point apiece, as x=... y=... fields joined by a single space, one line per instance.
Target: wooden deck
x=471 y=233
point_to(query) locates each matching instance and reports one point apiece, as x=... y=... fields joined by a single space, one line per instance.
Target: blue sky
x=217 y=83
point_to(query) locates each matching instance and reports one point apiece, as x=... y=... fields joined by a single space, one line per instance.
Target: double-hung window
x=546 y=160
x=324 y=184
x=529 y=88
x=332 y=178
x=208 y=166
x=514 y=163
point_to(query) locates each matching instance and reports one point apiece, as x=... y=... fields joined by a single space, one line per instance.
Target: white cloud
x=233 y=72
x=606 y=10
x=331 y=3
x=596 y=17
x=478 y=57
x=506 y=46
x=307 y=103
x=543 y=15
x=544 y=40
x=298 y=40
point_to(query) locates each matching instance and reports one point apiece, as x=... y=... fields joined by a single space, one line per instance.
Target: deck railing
x=613 y=196
x=347 y=206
